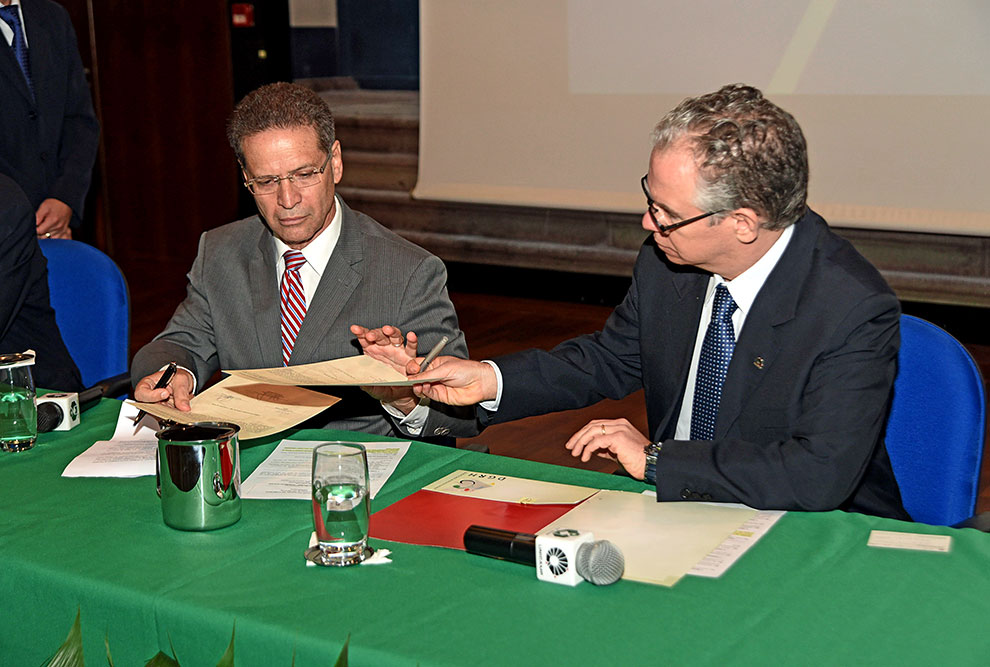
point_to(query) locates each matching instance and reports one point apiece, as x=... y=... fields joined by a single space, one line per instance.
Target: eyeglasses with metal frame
x=306 y=177
x=653 y=209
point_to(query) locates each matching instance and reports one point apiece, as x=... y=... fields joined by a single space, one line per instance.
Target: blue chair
x=937 y=425
x=92 y=308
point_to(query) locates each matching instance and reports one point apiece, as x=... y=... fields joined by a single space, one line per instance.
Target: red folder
x=431 y=518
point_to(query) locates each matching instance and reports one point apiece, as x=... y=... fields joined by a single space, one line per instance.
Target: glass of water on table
x=340 y=504
x=18 y=411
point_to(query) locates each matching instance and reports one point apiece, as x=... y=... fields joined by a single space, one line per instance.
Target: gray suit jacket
x=230 y=318
x=49 y=142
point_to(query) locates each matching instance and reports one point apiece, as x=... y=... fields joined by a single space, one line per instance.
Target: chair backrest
x=936 y=427
x=89 y=295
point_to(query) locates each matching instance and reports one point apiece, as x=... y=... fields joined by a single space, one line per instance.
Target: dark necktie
x=12 y=18
x=713 y=363
x=293 y=302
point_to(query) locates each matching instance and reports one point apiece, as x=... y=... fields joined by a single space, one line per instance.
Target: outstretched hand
x=614 y=439
x=387 y=344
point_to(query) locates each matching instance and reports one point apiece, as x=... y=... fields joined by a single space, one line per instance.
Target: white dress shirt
x=317 y=254
x=743 y=290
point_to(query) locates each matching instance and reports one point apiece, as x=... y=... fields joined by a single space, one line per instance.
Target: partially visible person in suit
x=50 y=134
x=284 y=286
x=766 y=345
x=27 y=320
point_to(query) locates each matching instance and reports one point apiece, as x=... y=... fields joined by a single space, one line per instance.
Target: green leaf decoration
x=70 y=653
x=342 y=658
x=162 y=660
x=227 y=659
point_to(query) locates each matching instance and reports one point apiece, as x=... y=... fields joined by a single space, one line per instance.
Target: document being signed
x=362 y=371
x=260 y=409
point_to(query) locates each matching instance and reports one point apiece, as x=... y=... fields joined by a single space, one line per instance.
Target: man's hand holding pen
x=171 y=385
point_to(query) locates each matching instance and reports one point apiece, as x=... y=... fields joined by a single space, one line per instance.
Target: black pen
x=163 y=381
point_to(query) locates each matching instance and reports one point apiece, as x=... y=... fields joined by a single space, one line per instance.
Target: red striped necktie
x=293 y=302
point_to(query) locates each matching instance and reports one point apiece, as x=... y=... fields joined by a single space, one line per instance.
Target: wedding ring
x=603 y=429
x=48 y=235
x=397 y=344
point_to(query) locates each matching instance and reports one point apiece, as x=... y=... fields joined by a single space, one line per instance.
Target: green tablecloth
x=811 y=592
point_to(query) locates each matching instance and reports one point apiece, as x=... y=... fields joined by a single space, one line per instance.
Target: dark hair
x=279 y=105
x=750 y=153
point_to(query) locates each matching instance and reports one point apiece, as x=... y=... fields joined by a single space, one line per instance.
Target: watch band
x=652 y=451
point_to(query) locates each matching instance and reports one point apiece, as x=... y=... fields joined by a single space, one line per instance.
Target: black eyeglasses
x=653 y=209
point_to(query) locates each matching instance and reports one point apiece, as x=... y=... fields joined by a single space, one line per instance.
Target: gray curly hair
x=750 y=153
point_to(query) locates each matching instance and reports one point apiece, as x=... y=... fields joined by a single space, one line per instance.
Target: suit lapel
x=677 y=328
x=762 y=335
x=265 y=299
x=41 y=43
x=340 y=278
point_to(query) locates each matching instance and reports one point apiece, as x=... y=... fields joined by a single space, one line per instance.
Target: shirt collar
x=318 y=251
x=747 y=285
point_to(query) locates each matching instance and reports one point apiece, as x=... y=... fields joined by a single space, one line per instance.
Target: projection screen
x=550 y=103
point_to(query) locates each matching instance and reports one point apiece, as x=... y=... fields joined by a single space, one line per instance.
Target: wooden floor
x=495 y=325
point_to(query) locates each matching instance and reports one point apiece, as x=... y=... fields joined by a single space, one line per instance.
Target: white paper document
x=506 y=489
x=288 y=470
x=129 y=453
x=661 y=542
x=259 y=409
x=361 y=371
x=736 y=544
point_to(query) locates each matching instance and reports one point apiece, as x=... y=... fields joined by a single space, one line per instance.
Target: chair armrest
x=978 y=521
x=118 y=386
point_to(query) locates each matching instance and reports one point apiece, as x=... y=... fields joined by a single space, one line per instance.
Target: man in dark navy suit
x=766 y=345
x=48 y=132
x=27 y=320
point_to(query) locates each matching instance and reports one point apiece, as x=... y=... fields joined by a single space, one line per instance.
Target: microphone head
x=600 y=562
x=49 y=416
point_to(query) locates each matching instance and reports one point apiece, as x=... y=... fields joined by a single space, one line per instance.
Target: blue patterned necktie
x=713 y=363
x=11 y=17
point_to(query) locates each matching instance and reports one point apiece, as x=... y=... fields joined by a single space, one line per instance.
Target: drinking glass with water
x=340 y=503
x=18 y=410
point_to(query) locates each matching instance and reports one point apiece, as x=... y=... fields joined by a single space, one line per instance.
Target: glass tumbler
x=340 y=503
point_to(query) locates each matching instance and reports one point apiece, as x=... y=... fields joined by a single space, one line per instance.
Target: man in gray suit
x=283 y=287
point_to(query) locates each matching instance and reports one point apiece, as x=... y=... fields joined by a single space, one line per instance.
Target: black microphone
x=51 y=414
x=599 y=562
x=501 y=544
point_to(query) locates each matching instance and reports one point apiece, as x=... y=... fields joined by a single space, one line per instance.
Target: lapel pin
x=758 y=362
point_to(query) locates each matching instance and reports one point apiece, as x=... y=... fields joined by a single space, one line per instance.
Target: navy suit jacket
x=806 y=395
x=26 y=316
x=48 y=143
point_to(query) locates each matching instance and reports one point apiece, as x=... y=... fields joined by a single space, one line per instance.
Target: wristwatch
x=652 y=451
